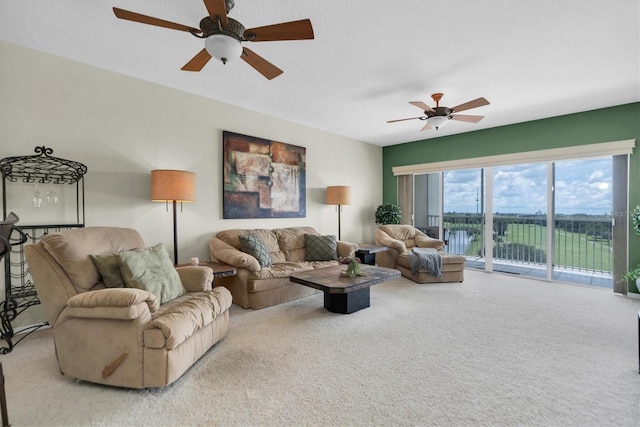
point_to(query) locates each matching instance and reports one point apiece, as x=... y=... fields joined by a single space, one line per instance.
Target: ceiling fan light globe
x=437 y=121
x=222 y=47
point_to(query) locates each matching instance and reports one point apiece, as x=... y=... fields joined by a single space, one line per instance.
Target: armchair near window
x=400 y=241
x=123 y=336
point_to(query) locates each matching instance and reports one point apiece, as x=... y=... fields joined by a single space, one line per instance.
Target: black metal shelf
x=20 y=291
x=42 y=168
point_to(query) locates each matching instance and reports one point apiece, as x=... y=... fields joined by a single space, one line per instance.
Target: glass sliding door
x=583 y=243
x=463 y=214
x=520 y=219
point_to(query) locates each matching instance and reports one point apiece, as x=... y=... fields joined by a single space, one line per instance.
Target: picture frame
x=262 y=178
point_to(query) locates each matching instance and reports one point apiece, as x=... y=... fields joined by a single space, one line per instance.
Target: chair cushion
x=400 y=231
x=183 y=317
x=320 y=248
x=268 y=237
x=450 y=262
x=281 y=270
x=71 y=250
x=253 y=246
x=292 y=242
x=151 y=269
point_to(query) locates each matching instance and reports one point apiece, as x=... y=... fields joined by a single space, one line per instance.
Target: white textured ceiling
x=531 y=59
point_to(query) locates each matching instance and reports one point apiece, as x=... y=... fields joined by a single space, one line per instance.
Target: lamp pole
x=175 y=234
x=339 y=210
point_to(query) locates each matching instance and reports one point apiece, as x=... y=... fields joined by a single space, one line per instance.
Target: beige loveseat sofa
x=400 y=241
x=122 y=336
x=256 y=286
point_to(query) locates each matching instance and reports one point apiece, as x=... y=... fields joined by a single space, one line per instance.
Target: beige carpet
x=495 y=350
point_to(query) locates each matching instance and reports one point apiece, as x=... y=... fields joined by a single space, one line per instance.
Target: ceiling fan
x=438 y=116
x=223 y=36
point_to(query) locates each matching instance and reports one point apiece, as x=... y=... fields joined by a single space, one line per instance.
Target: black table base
x=347 y=303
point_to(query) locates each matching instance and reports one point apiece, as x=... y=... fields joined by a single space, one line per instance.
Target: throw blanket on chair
x=425 y=259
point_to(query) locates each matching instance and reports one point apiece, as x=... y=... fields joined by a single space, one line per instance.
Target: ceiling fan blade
x=261 y=65
x=469 y=105
x=401 y=120
x=421 y=105
x=294 y=30
x=217 y=8
x=144 y=19
x=466 y=118
x=426 y=127
x=197 y=62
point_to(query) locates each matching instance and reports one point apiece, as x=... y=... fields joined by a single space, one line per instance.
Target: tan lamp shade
x=170 y=185
x=339 y=195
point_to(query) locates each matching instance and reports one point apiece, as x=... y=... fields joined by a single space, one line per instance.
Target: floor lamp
x=173 y=186
x=339 y=195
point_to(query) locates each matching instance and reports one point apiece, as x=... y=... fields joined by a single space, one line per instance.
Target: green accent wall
x=590 y=127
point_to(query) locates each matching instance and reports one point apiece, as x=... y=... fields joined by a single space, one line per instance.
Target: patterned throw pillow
x=253 y=246
x=320 y=248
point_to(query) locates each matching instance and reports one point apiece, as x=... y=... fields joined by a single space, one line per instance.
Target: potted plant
x=388 y=213
x=635 y=219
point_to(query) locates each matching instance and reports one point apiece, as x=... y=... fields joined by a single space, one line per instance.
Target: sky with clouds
x=582 y=187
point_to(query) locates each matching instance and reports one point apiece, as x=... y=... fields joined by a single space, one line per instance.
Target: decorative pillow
x=320 y=248
x=152 y=270
x=253 y=246
x=109 y=270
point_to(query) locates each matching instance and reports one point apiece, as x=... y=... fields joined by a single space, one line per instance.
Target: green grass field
x=576 y=250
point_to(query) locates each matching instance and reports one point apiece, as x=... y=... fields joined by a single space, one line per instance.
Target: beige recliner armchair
x=401 y=239
x=122 y=336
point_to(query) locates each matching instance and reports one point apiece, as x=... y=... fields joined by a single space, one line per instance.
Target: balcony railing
x=580 y=243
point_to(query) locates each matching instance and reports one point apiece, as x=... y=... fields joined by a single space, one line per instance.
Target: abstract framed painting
x=262 y=178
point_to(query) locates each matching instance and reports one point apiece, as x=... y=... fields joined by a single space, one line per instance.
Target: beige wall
x=122 y=128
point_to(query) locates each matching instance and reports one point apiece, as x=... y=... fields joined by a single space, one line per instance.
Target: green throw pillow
x=320 y=248
x=253 y=246
x=152 y=270
x=109 y=270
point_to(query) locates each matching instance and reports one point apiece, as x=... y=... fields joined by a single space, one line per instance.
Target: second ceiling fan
x=223 y=36
x=438 y=116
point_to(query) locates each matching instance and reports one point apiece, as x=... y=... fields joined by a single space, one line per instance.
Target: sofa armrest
x=222 y=251
x=195 y=278
x=384 y=239
x=424 y=241
x=346 y=249
x=113 y=303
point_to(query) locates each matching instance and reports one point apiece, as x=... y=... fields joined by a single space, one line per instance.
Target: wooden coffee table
x=344 y=294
